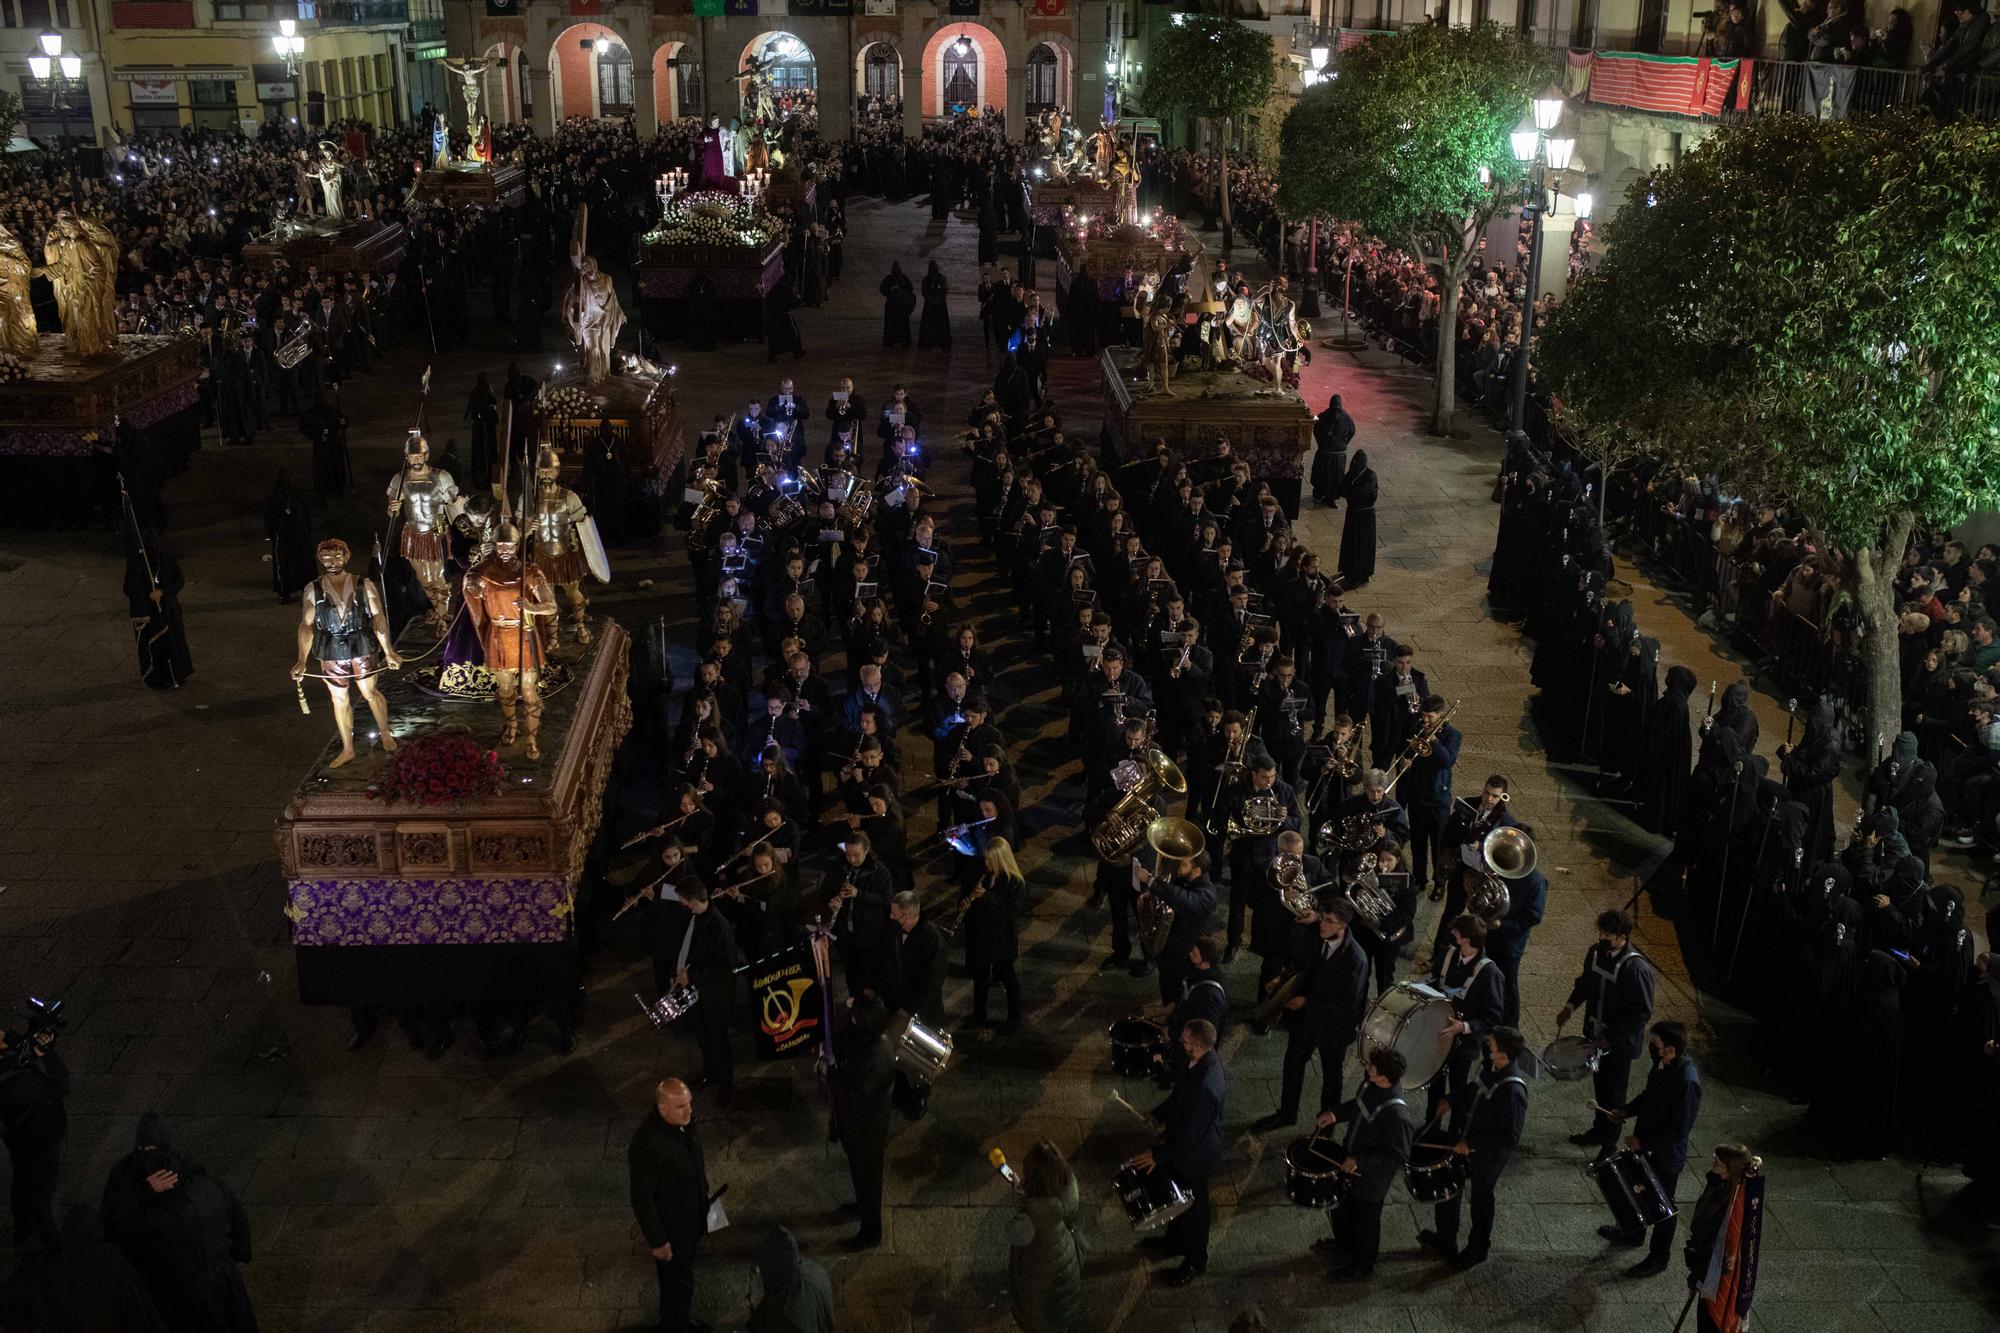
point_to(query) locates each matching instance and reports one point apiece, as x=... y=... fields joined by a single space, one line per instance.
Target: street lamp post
x=1546 y=156
x=1309 y=299
x=291 y=45
x=54 y=68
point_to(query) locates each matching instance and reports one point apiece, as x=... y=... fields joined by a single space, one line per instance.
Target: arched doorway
x=879 y=73
x=591 y=68
x=1044 y=80
x=964 y=69
x=676 y=82
x=787 y=71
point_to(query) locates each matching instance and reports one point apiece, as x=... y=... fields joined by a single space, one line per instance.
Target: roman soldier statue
x=433 y=503
x=566 y=542
x=344 y=626
x=504 y=615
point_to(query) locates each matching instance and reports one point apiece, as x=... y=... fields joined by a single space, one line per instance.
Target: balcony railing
x=1702 y=88
x=425 y=31
x=362 y=13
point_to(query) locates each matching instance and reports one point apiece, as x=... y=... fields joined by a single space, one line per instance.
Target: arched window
x=882 y=71
x=614 y=78
x=961 y=76
x=1042 y=94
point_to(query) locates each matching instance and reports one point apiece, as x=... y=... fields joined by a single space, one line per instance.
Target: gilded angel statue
x=18 y=335
x=81 y=261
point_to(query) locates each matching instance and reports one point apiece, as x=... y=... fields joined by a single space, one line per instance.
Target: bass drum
x=1412 y=1019
x=1313 y=1178
x=1435 y=1173
x=1138 y=1048
x=1151 y=1198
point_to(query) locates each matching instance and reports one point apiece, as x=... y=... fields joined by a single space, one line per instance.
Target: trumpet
x=1187 y=649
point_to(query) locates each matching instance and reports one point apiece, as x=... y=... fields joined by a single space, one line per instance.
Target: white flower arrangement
x=566 y=403
x=709 y=217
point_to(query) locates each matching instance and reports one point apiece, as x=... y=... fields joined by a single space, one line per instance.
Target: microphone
x=999 y=1160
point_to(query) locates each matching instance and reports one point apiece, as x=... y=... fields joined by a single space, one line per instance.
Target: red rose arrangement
x=432 y=770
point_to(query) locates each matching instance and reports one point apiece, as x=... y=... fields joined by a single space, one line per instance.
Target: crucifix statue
x=471 y=71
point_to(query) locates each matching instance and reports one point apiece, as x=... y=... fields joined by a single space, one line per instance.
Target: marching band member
x=863 y=1086
x=987 y=914
x=1385 y=939
x=1384 y=817
x=692 y=945
x=1489 y=1115
x=1284 y=710
x=915 y=975
x=1478 y=994
x=1426 y=792
x=1190 y=1146
x=1463 y=836
x=1380 y=1132
x=1527 y=900
x=1663 y=1116
x=1204 y=997
x=1615 y=989
x=1250 y=855
x=1186 y=887
x=1331 y=972
x=858 y=890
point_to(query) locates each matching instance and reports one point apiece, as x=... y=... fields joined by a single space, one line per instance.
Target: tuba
x=296 y=349
x=1127 y=823
x=1509 y=854
x=1171 y=839
x=1371 y=903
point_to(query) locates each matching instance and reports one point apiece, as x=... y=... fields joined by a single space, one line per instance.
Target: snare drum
x=1412 y=1018
x=1632 y=1190
x=1567 y=1059
x=922 y=1052
x=1138 y=1048
x=675 y=1004
x=1151 y=1198
x=1435 y=1173
x=1313 y=1178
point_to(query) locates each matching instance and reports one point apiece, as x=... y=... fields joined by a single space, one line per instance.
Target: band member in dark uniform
x=864 y=1080
x=693 y=945
x=1488 y=1115
x=1380 y=1132
x=670 y=1195
x=858 y=889
x=1190 y=1146
x=1375 y=811
x=1478 y=993
x=916 y=961
x=1204 y=998
x=1331 y=970
x=1250 y=855
x=1615 y=989
x=1459 y=856
x=1663 y=1116
x=1186 y=887
x=1426 y=793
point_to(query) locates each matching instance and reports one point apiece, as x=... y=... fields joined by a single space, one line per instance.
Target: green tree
x=1410 y=142
x=1216 y=69
x=1810 y=309
x=10 y=118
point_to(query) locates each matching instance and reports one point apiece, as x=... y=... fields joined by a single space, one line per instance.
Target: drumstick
x=1119 y=1097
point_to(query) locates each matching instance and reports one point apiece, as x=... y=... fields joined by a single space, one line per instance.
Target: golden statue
x=18 y=335
x=343 y=623
x=591 y=311
x=81 y=256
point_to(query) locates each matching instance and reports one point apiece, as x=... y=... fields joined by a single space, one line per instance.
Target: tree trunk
x=1444 y=403
x=1222 y=181
x=1874 y=579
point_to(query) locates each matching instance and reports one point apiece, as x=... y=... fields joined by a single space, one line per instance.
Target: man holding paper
x=670 y=1196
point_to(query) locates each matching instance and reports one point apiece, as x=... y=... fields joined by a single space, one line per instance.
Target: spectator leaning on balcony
x=1957 y=55
x=1830 y=38
x=1733 y=37
x=1795 y=43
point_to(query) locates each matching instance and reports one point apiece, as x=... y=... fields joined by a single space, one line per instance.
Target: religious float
x=476 y=179
x=713 y=257
x=1199 y=402
x=1124 y=259
x=64 y=396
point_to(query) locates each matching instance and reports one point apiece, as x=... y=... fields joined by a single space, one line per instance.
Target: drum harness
x=1605 y=980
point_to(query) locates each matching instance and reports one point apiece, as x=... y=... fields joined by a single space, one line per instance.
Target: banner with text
x=785 y=996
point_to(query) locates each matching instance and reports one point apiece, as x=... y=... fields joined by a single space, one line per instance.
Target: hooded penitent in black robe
x=185 y=1241
x=1735 y=714
x=288 y=529
x=1810 y=769
x=1666 y=755
x=898 y=301
x=157 y=627
x=1080 y=313
x=934 y=329
x=84 y=1285
x=1357 y=534
x=1855 y=1105
x=798 y=1296
x=1333 y=431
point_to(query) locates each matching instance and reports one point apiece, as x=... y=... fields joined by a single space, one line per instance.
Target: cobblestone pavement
x=138 y=879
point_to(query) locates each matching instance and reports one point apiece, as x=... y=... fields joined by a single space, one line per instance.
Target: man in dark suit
x=1250 y=855
x=1397 y=708
x=1489 y=1115
x=1380 y=1130
x=1459 y=863
x=1426 y=794
x=1664 y=1114
x=1186 y=887
x=670 y=1197
x=858 y=888
x=1615 y=989
x=864 y=1078
x=1190 y=1146
x=694 y=945
x=915 y=981
x=1324 y=1014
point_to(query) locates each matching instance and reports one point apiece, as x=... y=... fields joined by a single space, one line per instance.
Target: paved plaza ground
x=138 y=879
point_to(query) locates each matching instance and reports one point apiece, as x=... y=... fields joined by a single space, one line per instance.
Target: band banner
x=785 y=992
